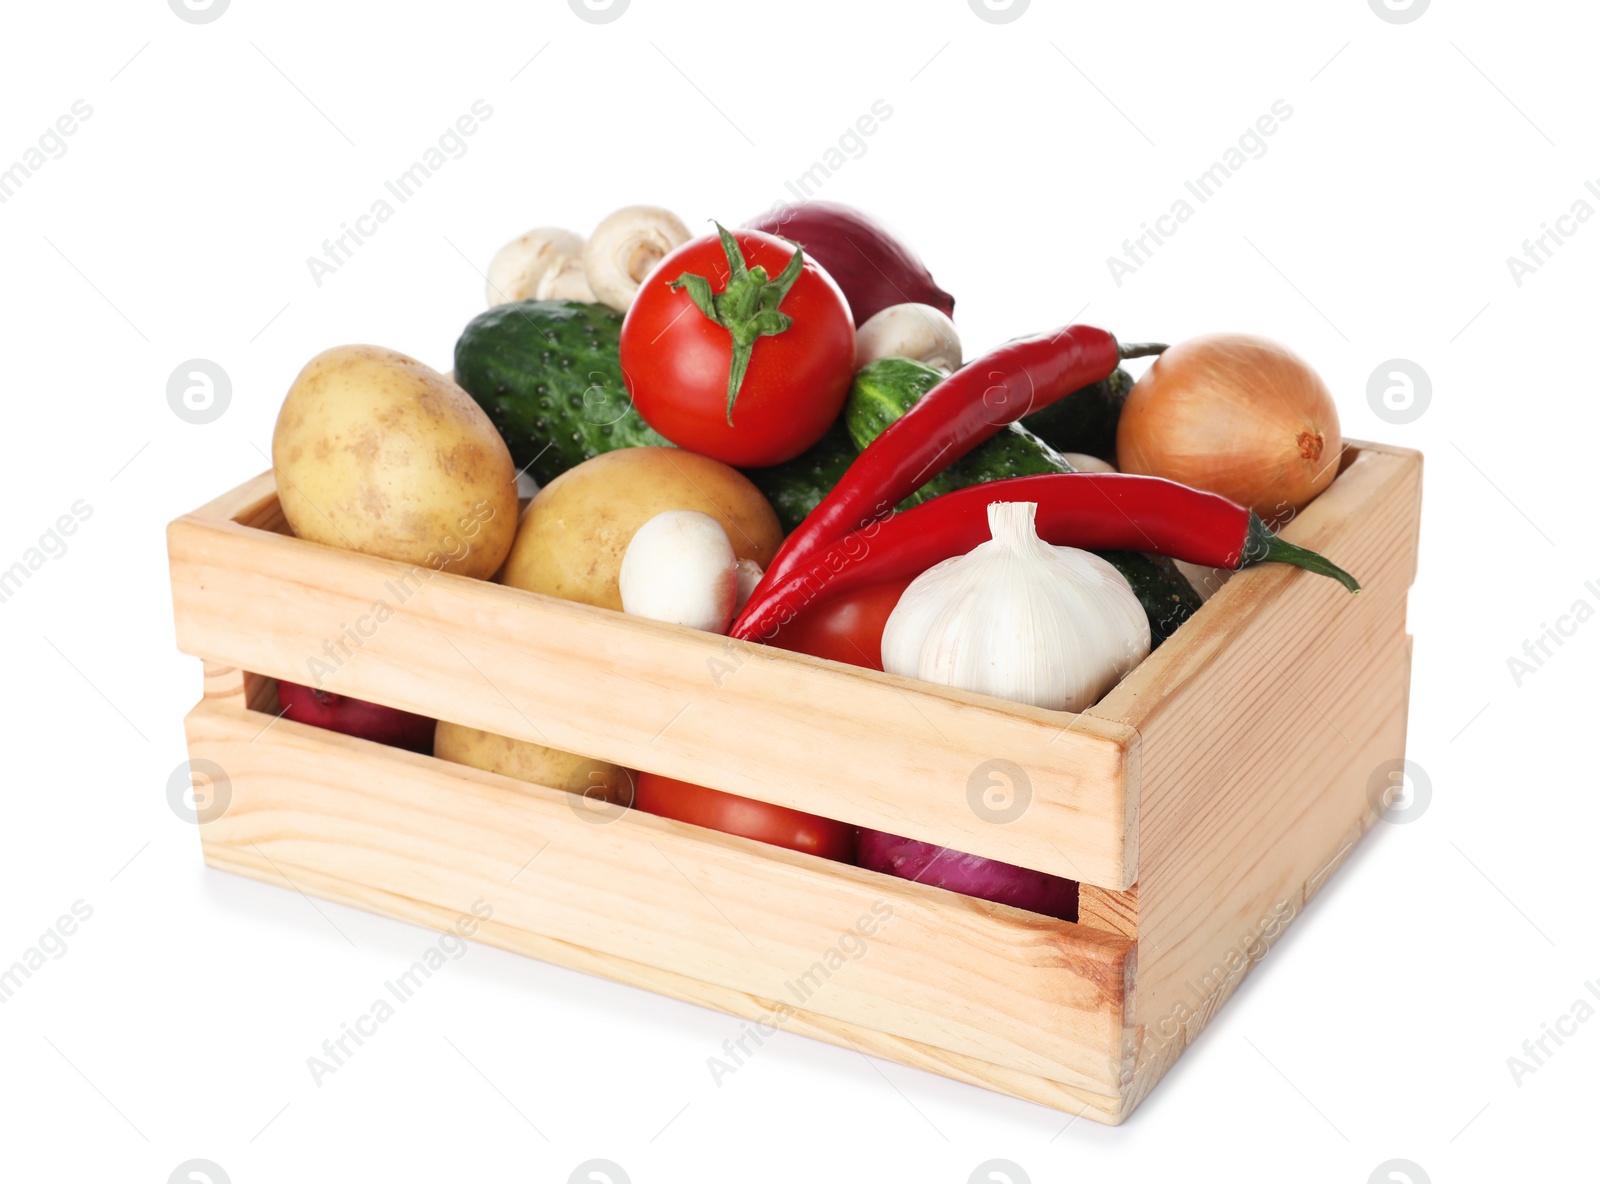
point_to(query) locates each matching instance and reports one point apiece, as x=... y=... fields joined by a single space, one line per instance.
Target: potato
x=595 y=779
x=573 y=534
x=375 y=452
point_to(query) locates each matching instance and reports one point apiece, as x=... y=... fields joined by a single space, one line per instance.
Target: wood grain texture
x=992 y=984
x=1259 y=734
x=1101 y=1107
x=242 y=689
x=835 y=740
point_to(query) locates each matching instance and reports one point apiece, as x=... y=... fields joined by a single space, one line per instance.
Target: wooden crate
x=1202 y=803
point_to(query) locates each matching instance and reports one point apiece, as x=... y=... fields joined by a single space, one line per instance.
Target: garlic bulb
x=1017 y=618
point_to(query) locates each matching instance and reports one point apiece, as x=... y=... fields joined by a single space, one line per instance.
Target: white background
x=1018 y=157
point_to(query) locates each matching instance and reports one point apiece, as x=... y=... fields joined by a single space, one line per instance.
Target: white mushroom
x=917 y=331
x=680 y=568
x=626 y=247
x=544 y=264
x=750 y=574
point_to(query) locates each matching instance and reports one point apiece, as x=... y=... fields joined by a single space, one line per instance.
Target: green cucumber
x=547 y=374
x=1086 y=420
x=796 y=486
x=886 y=389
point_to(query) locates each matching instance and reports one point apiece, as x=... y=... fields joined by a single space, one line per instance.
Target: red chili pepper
x=952 y=419
x=1094 y=511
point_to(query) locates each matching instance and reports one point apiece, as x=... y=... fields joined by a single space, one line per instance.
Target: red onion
x=872 y=268
x=987 y=879
x=356 y=717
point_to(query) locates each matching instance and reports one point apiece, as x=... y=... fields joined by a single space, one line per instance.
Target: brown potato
x=375 y=452
x=595 y=779
x=574 y=533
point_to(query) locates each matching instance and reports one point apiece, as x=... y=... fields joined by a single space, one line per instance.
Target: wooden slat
x=361 y=822
x=1083 y=1103
x=867 y=748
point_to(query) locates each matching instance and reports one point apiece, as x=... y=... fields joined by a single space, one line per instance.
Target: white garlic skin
x=1017 y=618
x=680 y=568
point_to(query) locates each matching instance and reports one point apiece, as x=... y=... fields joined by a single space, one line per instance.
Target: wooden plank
x=835 y=740
x=1034 y=997
x=1259 y=734
x=770 y=1013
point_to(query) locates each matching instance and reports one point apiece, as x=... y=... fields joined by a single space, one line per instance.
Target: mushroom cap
x=519 y=268
x=917 y=331
x=626 y=247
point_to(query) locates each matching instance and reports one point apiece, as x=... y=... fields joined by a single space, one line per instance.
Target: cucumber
x=1086 y=420
x=547 y=374
x=886 y=389
x=796 y=486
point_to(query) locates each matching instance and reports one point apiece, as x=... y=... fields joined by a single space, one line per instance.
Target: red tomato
x=847 y=629
x=734 y=815
x=678 y=362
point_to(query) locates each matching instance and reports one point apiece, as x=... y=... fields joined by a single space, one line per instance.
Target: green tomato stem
x=747 y=307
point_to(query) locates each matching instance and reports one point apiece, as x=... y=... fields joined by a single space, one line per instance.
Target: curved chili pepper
x=1094 y=511
x=952 y=419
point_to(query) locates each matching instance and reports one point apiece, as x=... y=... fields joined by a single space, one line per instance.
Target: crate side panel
x=1258 y=745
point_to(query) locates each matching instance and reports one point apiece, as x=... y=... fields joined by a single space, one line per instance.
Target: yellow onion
x=1236 y=415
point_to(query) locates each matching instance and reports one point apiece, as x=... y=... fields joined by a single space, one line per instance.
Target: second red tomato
x=731 y=352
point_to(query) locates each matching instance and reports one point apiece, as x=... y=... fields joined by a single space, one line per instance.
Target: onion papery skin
x=1237 y=415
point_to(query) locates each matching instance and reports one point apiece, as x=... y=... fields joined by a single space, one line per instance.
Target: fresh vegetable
x=797 y=486
x=888 y=388
x=680 y=568
x=724 y=359
x=1237 y=415
x=375 y=452
x=1019 y=619
x=1095 y=511
x=948 y=422
x=971 y=875
x=355 y=717
x=595 y=779
x=735 y=815
x=1087 y=422
x=573 y=535
x=544 y=264
x=916 y=331
x=547 y=374
x=747 y=574
x=625 y=248
x=871 y=267
x=847 y=628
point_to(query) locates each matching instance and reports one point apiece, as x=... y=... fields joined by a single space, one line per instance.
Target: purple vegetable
x=872 y=268
x=987 y=879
